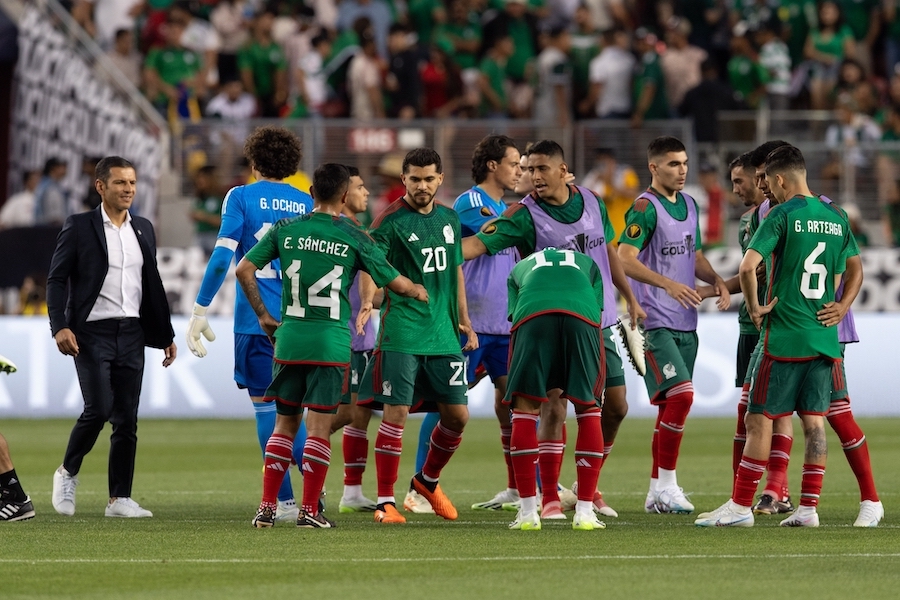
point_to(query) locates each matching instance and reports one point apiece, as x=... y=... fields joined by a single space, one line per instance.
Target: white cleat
x=727 y=515
x=496 y=503
x=417 y=503
x=127 y=508
x=802 y=517
x=672 y=500
x=650 y=502
x=870 y=514
x=63 y=498
x=587 y=522
x=358 y=504
x=530 y=522
x=287 y=511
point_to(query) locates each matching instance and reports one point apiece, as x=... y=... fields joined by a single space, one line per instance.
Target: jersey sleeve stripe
x=229 y=243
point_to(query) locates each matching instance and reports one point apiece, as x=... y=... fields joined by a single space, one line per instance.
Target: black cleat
x=318 y=521
x=15 y=511
x=265 y=517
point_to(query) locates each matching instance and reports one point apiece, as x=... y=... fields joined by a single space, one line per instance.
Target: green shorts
x=298 y=386
x=670 y=360
x=417 y=381
x=358 y=362
x=615 y=370
x=753 y=364
x=746 y=345
x=839 y=379
x=556 y=351
x=782 y=387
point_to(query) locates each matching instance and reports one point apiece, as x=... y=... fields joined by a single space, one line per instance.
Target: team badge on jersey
x=386 y=388
x=448 y=234
x=486 y=212
x=633 y=231
x=490 y=229
x=669 y=371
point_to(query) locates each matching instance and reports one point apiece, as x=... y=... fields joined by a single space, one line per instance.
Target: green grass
x=202 y=481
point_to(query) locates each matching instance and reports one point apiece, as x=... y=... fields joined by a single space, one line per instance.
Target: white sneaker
x=496 y=503
x=356 y=504
x=802 y=517
x=567 y=498
x=63 y=498
x=127 y=508
x=650 y=502
x=870 y=514
x=673 y=500
x=287 y=511
x=727 y=515
x=530 y=522
x=587 y=522
x=417 y=503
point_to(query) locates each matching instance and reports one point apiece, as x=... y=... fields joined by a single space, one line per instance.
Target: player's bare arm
x=473 y=247
x=367 y=289
x=834 y=312
x=246 y=276
x=750 y=288
x=706 y=273
x=465 y=325
x=403 y=286
x=684 y=295
x=620 y=280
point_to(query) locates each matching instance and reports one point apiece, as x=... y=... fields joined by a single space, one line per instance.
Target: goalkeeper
x=15 y=505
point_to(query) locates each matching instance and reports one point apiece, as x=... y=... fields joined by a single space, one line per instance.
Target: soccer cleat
x=553 y=510
x=870 y=514
x=322 y=500
x=497 y=502
x=727 y=515
x=530 y=522
x=437 y=498
x=63 y=498
x=635 y=343
x=15 y=511
x=417 y=503
x=802 y=518
x=287 y=511
x=785 y=505
x=318 y=521
x=599 y=505
x=352 y=505
x=388 y=513
x=126 y=508
x=650 y=502
x=567 y=497
x=512 y=506
x=672 y=500
x=587 y=522
x=265 y=517
x=7 y=366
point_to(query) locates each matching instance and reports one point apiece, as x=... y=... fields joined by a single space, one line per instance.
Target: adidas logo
x=413 y=238
x=583 y=462
x=307 y=468
x=275 y=466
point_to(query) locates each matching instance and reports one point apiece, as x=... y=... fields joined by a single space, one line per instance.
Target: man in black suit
x=114 y=306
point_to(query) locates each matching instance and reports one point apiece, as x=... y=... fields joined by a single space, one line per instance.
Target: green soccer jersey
x=496 y=76
x=515 y=227
x=555 y=281
x=748 y=225
x=640 y=220
x=426 y=248
x=320 y=256
x=649 y=72
x=806 y=243
x=746 y=76
x=174 y=66
x=264 y=62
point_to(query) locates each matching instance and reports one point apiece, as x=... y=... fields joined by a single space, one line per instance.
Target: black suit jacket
x=80 y=263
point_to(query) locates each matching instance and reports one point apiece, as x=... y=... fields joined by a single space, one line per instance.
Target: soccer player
x=15 y=505
x=318 y=255
x=555 y=301
x=248 y=212
x=805 y=243
x=559 y=215
x=418 y=353
x=660 y=250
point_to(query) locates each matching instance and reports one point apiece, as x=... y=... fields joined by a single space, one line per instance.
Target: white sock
x=654 y=485
x=386 y=500
x=741 y=510
x=352 y=491
x=667 y=479
x=529 y=506
x=513 y=492
x=584 y=507
x=806 y=510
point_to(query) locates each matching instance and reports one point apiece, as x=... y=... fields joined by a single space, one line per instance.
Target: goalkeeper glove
x=196 y=326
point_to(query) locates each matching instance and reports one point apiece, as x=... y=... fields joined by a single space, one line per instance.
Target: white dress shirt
x=121 y=293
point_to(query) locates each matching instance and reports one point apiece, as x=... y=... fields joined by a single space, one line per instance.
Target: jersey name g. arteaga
x=248 y=212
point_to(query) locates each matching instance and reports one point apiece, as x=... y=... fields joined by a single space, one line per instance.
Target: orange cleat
x=389 y=514
x=438 y=499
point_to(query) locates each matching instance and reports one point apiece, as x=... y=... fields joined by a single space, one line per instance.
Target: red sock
x=524 y=452
x=505 y=435
x=388 y=445
x=671 y=424
x=277 y=462
x=740 y=432
x=316 y=458
x=654 y=446
x=550 y=459
x=750 y=471
x=588 y=453
x=355 y=446
x=811 y=484
x=856 y=449
x=779 y=456
x=444 y=443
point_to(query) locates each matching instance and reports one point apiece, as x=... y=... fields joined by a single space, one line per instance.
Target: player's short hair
x=743 y=161
x=492 y=147
x=785 y=159
x=759 y=154
x=107 y=164
x=422 y=157
x=354 y=172
x=273 y=151
x=330 y=181
x=663 y=145
x=547 y=148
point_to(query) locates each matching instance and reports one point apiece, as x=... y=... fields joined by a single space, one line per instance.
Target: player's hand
x=569 y=178
x=269 y=325
x=832 y=313
x=197 y=326
x=636 y=313
x=471 y=337
x=6 y=365
x=421 y=293
x=757 y=315
x=170 y=352
x=66 y=342
x=724 y=300
x=362 y=317
x=685 y=295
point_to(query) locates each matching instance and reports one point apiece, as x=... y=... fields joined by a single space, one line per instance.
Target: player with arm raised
x=660 y=251
x=318 y=255
x=248 y=212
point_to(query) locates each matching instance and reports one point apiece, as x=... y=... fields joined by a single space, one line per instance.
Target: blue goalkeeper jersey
x=247 y=214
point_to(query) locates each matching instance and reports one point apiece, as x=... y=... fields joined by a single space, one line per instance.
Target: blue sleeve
x=473 y=213
x=216 y=269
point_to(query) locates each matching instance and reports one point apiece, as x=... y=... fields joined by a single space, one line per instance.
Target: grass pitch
x=202 y=481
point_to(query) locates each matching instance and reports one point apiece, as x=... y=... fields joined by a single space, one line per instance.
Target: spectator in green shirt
x=826 y=47
x=425 y=16
x=263 y=66
x=584 y=47
x=173 y=71
x=517 y=22
x=797 y=18
x=207 y=211
x=649 y=85
x=891 y=17
x=863 y=17
x=747 y=77
x=493 y=80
